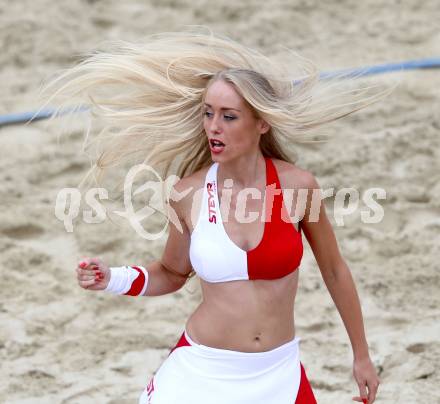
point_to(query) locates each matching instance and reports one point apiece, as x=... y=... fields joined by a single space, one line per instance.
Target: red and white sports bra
x=216 y=258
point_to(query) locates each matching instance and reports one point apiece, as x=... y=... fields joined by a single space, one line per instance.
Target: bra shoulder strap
x=210 y=182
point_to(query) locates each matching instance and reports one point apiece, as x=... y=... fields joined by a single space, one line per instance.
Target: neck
x=245 y=171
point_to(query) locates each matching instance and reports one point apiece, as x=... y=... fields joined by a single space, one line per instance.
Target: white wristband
x=127 y=280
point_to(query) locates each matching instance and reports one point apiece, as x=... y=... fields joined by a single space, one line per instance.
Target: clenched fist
x=93 y=274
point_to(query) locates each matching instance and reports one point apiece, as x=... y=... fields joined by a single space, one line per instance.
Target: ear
x=263 y=126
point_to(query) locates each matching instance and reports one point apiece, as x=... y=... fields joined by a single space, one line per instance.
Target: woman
x=235 y=110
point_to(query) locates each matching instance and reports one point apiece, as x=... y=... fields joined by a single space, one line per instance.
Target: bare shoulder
x=293 y=176
x=186 y=192
x=191 y=183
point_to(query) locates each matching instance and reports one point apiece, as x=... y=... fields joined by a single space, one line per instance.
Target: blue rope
x=24 y=116
x=31 y=116
x=430 y=63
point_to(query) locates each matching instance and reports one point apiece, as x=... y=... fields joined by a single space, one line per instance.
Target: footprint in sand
x=23 y=231
x=422 y=218
x=417 y=348
x=407 y=366
x=61 y=248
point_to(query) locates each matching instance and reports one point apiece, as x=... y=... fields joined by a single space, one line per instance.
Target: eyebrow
x=223 y=108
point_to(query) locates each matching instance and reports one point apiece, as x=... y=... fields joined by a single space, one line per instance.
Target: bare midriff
x=245 y=315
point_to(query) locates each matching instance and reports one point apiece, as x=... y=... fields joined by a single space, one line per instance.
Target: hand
x=93 y=274
x=366 y=377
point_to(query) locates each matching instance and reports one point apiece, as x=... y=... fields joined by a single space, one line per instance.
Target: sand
x=62 y=344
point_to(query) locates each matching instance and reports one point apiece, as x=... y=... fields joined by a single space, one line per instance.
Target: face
x=230 y=120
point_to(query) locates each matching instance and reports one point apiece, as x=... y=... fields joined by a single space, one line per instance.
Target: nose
x=213 y=125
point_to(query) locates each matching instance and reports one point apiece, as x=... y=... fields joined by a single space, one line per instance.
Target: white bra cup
x=214 y=257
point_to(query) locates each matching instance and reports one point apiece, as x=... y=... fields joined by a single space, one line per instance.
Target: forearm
x=161 y=281
x=343 y=292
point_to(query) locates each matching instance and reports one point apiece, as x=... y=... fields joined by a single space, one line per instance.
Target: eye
x=227 y=117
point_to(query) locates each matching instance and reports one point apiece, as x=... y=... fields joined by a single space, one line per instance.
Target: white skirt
x=198 y=374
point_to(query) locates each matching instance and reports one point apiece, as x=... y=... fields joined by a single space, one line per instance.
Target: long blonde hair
x=150 y=97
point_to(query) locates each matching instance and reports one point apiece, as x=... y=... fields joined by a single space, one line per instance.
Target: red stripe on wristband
x=138 y=284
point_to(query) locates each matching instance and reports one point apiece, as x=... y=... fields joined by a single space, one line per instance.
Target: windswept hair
x=150 y=96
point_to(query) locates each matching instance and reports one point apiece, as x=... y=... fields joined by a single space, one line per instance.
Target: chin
x=217 y=157
x=220 y=158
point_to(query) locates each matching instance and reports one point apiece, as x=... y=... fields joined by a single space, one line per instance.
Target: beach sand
x=62 y=344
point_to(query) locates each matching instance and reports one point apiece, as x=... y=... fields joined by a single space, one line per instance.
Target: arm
x=162 y=281
x=171 y=272
x=164 y=276
x=337 y=277
x=334 y=271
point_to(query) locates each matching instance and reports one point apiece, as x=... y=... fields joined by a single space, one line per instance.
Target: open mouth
x=216 y=145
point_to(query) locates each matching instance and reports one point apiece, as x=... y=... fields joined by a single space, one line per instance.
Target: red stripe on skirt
x=182 y=342
x=305 y=393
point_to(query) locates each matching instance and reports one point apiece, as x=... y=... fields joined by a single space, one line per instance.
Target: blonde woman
x=224 y=115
